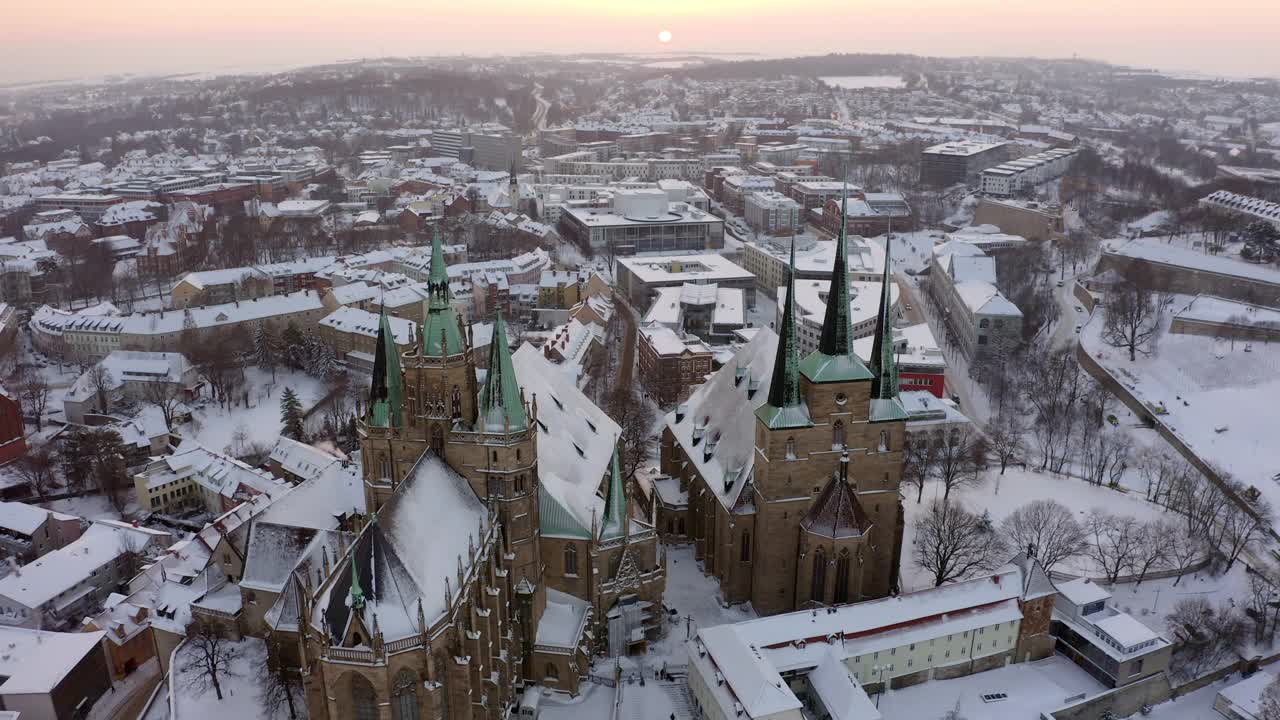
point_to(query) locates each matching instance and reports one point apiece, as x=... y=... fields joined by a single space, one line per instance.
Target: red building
x=13 y=434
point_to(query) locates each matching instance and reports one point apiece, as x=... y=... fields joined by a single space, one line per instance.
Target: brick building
x=670 y=364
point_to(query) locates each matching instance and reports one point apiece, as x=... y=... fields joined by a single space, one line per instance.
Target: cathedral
x=502 y=545
x=791 y=466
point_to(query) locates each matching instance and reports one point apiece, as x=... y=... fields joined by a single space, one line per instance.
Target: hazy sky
x=53 y=39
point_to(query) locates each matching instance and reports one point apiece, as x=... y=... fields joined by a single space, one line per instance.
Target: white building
x=811 y=309
x=1010 y=178
x=772 y=212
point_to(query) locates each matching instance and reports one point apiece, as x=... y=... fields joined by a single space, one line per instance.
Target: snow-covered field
x=1001 y=495
x=1220 y=397
x=214 y=426
x=239 y=692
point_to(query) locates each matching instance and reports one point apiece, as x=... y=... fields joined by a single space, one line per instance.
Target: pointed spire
x=442 y=333
x=786 y=407
x=837 y=331
x=884 y=370
x=356 y=596
x=615 y=503
x=386 y=390
x=501 y=408
x=438 y=276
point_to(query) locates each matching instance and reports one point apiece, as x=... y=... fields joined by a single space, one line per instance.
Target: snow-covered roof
x=722 y=410
x=1245 y=696
x=21 y=518
x=42 y=581
x=275 y=551
x=563 y=620
x=1082 y=591
x=362 y=322
x=321 y=502
x=305 y=461
x=1160 y=250
x=55 y=654
x=841 y=694
x=1125 y=630
x=576 y=439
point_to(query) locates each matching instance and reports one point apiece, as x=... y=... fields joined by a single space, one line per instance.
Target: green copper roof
x=834 y=360
x=501 y=409
x=356 y=596
x=785 y=407
x=386 y=391
x=884 y=370
x=555 y=521
x=441 y=329
x=615 y=503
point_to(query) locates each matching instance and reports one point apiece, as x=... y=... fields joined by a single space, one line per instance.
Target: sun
x=664 y=36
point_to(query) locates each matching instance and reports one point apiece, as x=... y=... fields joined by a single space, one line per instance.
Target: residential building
x=640 y=278
x=196 y=478
x=51 y=675
x=959 y=161
x=709 y=312
x=60 y=587
x=353 y=333
x=811 y=309
x=29 y=531
x=981 y=319
x=814 y=260
x=131 y=377
x=490 y=146
x=671 y=363
x=13 y=431
x=866 y=214
x=1017 y=176
x=824 y=662
x=1029 y=219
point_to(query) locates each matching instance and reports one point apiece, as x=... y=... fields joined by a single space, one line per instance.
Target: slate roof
x=836 y=513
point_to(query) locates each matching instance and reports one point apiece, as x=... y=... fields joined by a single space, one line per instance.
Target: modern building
x=866 y=214
x=811 y=309
x=769 y=261
x=709 y=312
x=959 y=161
x=639 y=278
x=1029 y=219
x=1016 y=176
x=1112 y=646
x=489 y=147
x=773 y=213
x=1256 y=208
x=642 y=221
x=921 y=364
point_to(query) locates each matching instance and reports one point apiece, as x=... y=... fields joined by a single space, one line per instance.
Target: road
x=540 y=114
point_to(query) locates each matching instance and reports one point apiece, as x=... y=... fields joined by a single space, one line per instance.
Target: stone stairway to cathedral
x=678 y=692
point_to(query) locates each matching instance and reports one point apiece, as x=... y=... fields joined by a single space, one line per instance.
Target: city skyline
x=69 y=39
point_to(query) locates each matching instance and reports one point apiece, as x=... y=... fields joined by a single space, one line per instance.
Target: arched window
x=570 y=560
x=437 y=441
x=494 y=455
x=842 y=577
x=457 y=402
x=552 y=673
x=404 y=697
x=791 y=448
x=818 y=593
x=983 y=323
x=745 y=553
x=364 y=702
x=884 y=441
x=837 y=435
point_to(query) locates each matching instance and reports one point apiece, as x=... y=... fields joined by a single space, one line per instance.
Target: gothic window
x=385 y=468
x=837 y=435
x=552 y=673
x=404 y=698
x=791 y=448
x=437 y=441
x=818 y=592
x=364 y=702
x=457 y=402
x=884 y=441
x=441 y=675
x=983 y=323
x=570 y=560
x=842 y=577
x=494 y=456
x=517 y=454
x=745 y=553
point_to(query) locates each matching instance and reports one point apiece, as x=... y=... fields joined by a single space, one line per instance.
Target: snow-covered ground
x=89 y=507
x=240 y=691
x=1196 y=705
x=691 y=594
x=214 y=426
x=1033 y=688
x=595 y=701
x=1218 y=396
x=1001 y=495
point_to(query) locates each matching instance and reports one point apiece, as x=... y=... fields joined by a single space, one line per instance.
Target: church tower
x=387 y=450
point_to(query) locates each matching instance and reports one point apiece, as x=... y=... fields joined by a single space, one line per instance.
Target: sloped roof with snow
x=321 y=502
x=57 y=654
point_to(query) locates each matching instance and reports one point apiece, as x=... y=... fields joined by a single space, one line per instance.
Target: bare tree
x=1182 y=551
x=952 y=543
x=167 y=396
x=1047 y=530
x=102 y=383
x=33 y=390
x=1262 y=604
x=919 y=455
x=1239 y=529
x=1269 y=703
x=1132 y=318
x=1114 y=542
x=635 y=416
x=961 y=455
x=1150 y=548
x=38 y=468
x=210 y=658
x=1005 y=439
x=1205 y=637
x=281 y=692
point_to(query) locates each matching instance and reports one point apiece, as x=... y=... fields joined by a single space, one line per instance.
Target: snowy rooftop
x=1082 y=591
x=1125 y=630
x=21 y=518
x=44 y=580
x=319 y=503
x=57 y=654
x=363 y=322
x=305 y=461
x=1160 y=250
x=563 y=621
x=671 y=269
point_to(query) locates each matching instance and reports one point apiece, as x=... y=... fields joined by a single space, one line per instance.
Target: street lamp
x=880 y=669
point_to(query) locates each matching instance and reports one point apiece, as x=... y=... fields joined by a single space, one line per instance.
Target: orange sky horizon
x=67 y=39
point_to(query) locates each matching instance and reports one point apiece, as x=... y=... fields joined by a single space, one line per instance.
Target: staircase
x=678 y=693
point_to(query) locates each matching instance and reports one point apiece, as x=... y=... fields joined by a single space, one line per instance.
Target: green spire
x=615 y=503
x=786 y=407
x=356 y=597
x=441 y=328
x=885 y=404
x=501 y=407
x=837 y=333
x=386 y=392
